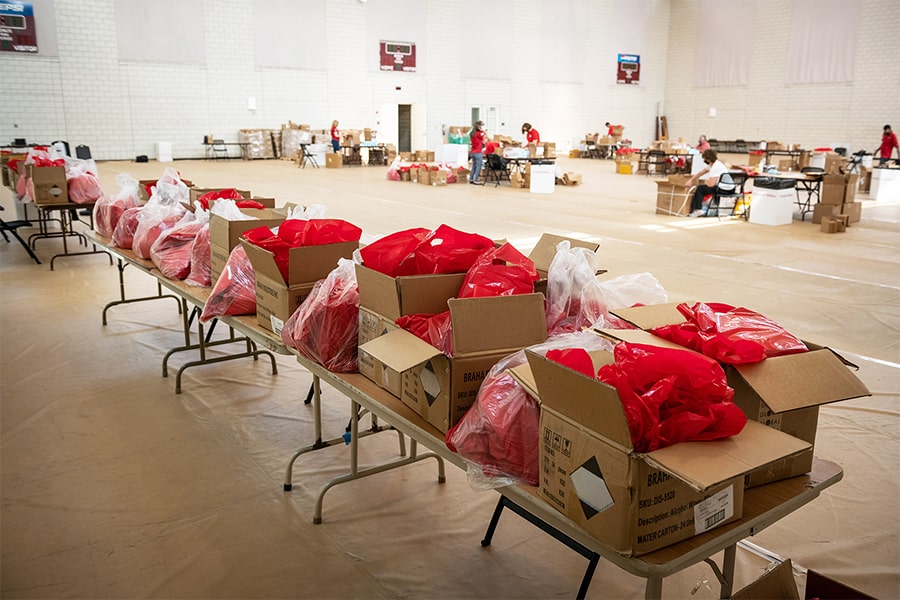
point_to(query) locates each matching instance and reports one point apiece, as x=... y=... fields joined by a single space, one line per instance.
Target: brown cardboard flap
x=585 y=400
x=802 y=380
x=418 y=294
x=400 y=350
x=544 y=251
x=225 y=233
x=703 y=465
x=650 y=316
x=311 y=263
x=263 y=261
x=524 y=377
x=639 y=336
x=495 y=323
x=776 y=584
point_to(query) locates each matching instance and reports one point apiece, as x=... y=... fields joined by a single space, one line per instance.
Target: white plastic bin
x=817 y=159
x=543 y=179
x=772 y=207
x=164 y=151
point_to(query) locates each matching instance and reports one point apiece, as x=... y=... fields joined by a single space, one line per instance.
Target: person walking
x=888 y=145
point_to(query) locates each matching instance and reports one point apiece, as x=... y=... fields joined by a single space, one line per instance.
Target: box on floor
x=778 y=584
x=782 y=392
x=673 y=196
x=635 y=502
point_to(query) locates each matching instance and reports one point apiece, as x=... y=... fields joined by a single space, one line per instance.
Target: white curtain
x=724 y=42
x=486 y=54
x=563 y=41
x=823 y=40
x=289 y=34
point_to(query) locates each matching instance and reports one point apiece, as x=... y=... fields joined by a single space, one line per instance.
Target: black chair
x=307 y=157
x=732 y=195
x=496 y=168
x=13 y=227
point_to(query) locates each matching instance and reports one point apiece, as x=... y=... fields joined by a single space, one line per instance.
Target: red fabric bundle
x=731 y=335
x=22 y=189
x=386 y=254
x=235 y=291
x=13 y=164
x=227 y=194
x=84 y=188
x=500 y=432
x=150 y=228
x=201 y=257
x=668 y=395
x=434 y=329
x=325 y=327
x=43 y=161
x=123 y=234
x=109 y=210
x=294 y=233
x=171 y=252
x=445 y=250
x=502 y=271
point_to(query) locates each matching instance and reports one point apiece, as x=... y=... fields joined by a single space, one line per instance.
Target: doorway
x=404 y=128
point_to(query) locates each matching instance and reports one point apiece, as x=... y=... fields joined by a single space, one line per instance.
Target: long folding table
x=763 y=505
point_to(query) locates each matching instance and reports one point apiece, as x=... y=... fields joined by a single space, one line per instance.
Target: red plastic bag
x=171 y=252
x=386 y=254
x=151 y=225
x=123 y=235
x=267 y=240
x=731 y=335
x=445 y=250
x=84 y=188
x=108 y=209
x=576 y=359
x=235 y=291
x=502 y=271
x=500 y=431
x=671 y=396
x=201 y=259
x=325 y=327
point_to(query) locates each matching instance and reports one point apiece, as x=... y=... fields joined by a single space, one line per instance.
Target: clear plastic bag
x=171 y=252
x=82 y=181
x=235 y=291
x=108 y=209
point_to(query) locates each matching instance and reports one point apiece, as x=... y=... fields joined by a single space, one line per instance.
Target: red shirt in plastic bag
x=84 y=188
x=108 y=210
x=500 y=431
x=445 y=250
x=386 y=254
x=325 y=327
x=171 y=252
x=149 y=229
x=235 y=291
x=201 y=259
x=731 y=335
x=123 y=235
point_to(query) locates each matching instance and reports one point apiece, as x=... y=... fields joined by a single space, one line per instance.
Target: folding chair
x=12 y=227
x=734 y=195
x=496 y=168
x=220 y=150
x=307 y=157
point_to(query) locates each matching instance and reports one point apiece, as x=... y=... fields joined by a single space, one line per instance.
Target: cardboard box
x=372 y=325
x=852 y=210
x=824 y=210
x=852 y=180
x=423 y=175
x=393 y=297
x=637 y=502
x=834 y=163
x=544 y=251
x=224 y=235
x=821 y=587
x=782 y=392
x=334 y=160
x=832 y=225
x=440 y=388
x=571 y=178
x=673 y=197
x=47 y=185
x=833 y=189
x=775 y=584
x=438 y=177
x=517 y=180
x=276 y=300
x=623 y=168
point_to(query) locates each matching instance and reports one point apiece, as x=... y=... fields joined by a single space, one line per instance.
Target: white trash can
x=543 y=179
x=164 y=151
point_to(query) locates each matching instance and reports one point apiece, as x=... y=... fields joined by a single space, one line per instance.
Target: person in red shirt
x=888 y=145
x=478 y=138
x=335 y=137
x=531 y=134
x=703 y=144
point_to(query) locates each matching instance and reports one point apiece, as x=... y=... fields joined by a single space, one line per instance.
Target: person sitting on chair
x=713 y=171
x=702 y=144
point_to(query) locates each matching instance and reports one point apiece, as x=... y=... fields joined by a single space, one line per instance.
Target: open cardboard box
x=441 y=389
x=196 y=192
x=393 y=297
x=783 y=392
x=225 y=235
x=276 y=300
x=778 y=584
x=637 y=503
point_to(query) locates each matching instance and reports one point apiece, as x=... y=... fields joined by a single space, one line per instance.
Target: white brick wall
x=121 y=109
x=811 y=115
